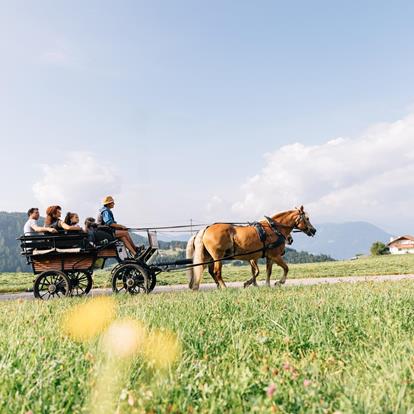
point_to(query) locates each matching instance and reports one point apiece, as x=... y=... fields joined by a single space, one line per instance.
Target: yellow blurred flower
x=162 y=349
x=86 y=320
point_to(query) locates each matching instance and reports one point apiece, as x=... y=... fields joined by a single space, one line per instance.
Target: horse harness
x=280 y=238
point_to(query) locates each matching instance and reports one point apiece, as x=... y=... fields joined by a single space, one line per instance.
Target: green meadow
x=365 y=266
x=345 y=348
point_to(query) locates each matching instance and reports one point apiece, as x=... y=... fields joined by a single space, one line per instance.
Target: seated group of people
x=104 y=228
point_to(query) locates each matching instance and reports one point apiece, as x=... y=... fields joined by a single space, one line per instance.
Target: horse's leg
x=217 y=272
x=211 y=271
x=269 y=264
x=255 y=272
x=279 y=261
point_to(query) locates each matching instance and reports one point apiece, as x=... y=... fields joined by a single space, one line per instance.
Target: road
x=210 y=286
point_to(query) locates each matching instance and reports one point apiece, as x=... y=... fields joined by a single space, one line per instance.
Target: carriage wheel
x=132 y=279
x=80 y=282
x=51 y=284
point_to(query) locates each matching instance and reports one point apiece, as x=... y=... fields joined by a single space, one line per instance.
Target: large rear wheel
x=133 y=279
x=51 y=284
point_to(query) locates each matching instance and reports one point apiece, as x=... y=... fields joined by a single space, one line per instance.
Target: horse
x=214 y=243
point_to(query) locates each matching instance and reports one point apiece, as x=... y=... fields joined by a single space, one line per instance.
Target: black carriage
x=64 y=263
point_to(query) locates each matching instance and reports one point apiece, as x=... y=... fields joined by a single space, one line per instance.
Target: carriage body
x=63 y=264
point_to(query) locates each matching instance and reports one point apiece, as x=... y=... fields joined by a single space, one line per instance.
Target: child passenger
x=97 y=235
x=72 y=219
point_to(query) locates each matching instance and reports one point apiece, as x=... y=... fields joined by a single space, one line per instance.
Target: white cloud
x=370 y=177
x=78 y=184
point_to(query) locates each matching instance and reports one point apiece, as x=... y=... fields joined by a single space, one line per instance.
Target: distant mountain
x=341 y=240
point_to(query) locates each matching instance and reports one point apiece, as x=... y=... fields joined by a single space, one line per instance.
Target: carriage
x=64 y=264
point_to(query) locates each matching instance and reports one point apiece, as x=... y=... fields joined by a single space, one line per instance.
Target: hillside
x=341 y=240
x=11 y=225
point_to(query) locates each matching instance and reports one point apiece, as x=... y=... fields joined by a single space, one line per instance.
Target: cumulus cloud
x=370 y=177
x=78 y=183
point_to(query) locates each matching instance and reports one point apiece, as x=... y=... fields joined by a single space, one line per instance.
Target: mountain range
x=341 y=240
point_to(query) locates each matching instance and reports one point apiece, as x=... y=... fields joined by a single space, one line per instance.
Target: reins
x=189 y=266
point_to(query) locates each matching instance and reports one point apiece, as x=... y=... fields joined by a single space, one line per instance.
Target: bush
x=378 y=249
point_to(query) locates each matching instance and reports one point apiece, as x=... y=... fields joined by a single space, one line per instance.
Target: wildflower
x=271 y=389
x=124 y=338
x=85 y=321
x=131 y=400
x=307 y=382
x=162 y=348
x=286 y=366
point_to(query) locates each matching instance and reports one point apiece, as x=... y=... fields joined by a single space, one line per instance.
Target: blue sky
x=182 y=99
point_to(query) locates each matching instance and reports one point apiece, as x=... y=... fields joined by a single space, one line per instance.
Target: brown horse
x=223 y=240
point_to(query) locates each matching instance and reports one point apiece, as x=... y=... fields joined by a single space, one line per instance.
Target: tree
x=378 y=249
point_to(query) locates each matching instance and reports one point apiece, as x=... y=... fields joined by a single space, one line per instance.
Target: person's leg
x=124 y=236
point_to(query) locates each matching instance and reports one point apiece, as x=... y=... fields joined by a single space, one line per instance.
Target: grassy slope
x=345 y=347
x=13 y=282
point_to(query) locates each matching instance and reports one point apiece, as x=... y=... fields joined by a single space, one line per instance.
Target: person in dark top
x=53 y=214
x=106 y=218
x=97 y=235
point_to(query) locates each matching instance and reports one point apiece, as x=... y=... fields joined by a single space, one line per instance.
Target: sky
x=217 y=110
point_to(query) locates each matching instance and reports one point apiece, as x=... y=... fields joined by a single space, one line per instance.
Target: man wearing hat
x=106 y=218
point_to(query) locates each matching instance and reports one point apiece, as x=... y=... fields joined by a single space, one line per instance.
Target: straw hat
x=108 y=200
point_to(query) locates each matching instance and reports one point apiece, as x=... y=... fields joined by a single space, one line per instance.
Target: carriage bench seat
x=59 y=241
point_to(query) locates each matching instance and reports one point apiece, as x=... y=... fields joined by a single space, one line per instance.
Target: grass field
x=382 y=265
x=322 y=349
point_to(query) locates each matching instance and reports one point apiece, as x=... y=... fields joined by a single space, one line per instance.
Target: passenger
x=71 y=219
x=97 y=235
x=31 y=227
x=52 y=220
x=106 y=218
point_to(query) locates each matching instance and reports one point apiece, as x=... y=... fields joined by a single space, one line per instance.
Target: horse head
x=303 y=223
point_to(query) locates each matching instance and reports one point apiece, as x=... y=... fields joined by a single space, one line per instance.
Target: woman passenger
x=53 y=214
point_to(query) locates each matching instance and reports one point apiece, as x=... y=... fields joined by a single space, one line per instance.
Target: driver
x=106 y=218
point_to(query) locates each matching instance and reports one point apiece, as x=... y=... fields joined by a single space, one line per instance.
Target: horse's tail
x=189 y=254
x=195 y=250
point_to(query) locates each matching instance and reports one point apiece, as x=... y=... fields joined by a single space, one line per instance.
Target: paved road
x=209 y=286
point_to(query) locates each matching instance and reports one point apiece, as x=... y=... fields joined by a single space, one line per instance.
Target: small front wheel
x=131 y=278
x=80 y=281
x=51 y=284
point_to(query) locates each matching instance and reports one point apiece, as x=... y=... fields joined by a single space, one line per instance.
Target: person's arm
x=117 y=226
x=109 y=221
x=39 y=229
x=68 y=227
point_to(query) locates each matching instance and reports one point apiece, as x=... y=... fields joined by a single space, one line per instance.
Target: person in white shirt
x=31 y=226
